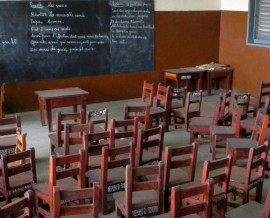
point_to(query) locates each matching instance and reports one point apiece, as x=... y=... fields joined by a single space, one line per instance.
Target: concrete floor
x=37 y=136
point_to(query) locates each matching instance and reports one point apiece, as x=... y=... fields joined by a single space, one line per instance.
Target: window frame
x=252 y=26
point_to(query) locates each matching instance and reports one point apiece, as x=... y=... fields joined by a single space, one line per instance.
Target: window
x=259 y=23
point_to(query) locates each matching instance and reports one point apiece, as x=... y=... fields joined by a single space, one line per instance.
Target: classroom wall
x=251 y=63
x=188 y=33
x=182 y=38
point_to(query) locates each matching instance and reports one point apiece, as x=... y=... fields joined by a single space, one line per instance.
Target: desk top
x=199 y=69
x=185 y=70
x=54 y=93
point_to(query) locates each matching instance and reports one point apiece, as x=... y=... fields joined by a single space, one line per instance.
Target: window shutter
x=262 y=21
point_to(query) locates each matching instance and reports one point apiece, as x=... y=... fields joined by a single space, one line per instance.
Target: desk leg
x=41 y=111
x=217 y=84
x=229 y=81
x=75 y=108
x=83 y=103
x=209 y=84
x=199 y=83
x=49 y=115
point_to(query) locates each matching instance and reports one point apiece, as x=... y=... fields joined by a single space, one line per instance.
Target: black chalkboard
x=41 y=40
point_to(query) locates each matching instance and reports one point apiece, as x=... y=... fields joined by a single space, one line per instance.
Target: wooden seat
x=252 y=209
x=25 y=204
x=147 y=139
x=142 y=112
x=62 y=172
x=180 y=165
x=92 y=144
x=57 y=137
x=258 y=102
x=126 y=131
x=73 y=138
x=201 y=208
x=218 y=170
x=87 y=202
x=2 y=100
x=199 y=127
x=111 y=175
x=8 y=130
x=141 y=198
x=161 y=109
x=99 y=120
x=247 y=178
x=221 y=133
x=192 y=109
x=19 y=174
x=240 y=146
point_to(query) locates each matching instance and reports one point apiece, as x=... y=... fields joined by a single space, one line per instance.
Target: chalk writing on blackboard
x=52 y=29
x=6 y=42
x=53 y=39
x=127 y=19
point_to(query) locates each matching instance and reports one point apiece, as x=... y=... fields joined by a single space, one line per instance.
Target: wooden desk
x=49 y=99
x=213 y=70
x=184 y=74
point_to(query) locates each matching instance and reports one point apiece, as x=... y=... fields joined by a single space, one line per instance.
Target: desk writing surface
x=61 y=92
x=184 y=70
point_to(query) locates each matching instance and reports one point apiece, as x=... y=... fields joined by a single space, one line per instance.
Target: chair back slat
x=218 y=168
x=141 y=112
x=25 y=204
x=148 y=93
x=134 y=184
x=72 y=165
x=12 y=167
x=8 y=134
x=73 y=136
x=202 y=206
x=256 y=162
x=87 y=202
x=149 y=138
x=260 y=127
x=163 y=97
x=61 y=120
x=225 y=107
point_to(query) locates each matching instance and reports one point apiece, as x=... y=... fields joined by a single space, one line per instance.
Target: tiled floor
x=37 y=136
